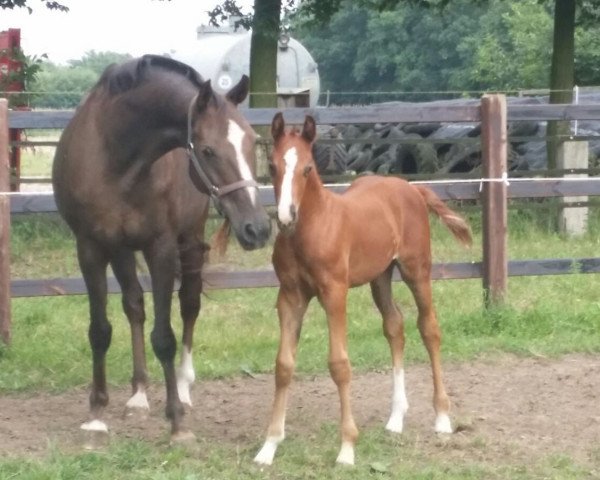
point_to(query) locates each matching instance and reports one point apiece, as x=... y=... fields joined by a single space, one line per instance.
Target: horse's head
x=291 y=166
x=222 y=161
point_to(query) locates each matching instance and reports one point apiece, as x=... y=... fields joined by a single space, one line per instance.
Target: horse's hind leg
x=124 y=267
x=417 y=276
x=93 y=262
x=291 y=307
x=161 y=259
x=192 y=259
x=393 y=329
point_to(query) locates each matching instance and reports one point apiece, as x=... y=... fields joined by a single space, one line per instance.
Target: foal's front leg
x=333 y=297
x=291 y=307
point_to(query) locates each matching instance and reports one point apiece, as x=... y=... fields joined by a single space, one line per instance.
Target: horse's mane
x=119 y=78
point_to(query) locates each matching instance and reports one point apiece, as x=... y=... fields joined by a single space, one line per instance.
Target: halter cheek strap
x=214 y=191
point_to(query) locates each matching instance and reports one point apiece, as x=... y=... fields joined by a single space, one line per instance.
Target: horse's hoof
x=94 y=435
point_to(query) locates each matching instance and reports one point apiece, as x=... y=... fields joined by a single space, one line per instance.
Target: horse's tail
x=455 y=223
x=220 y=239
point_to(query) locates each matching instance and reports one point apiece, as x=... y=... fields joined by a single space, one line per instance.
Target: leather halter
x=215 y=192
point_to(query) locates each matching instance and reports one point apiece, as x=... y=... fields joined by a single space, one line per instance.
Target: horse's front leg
x=192 y=259
x=333 y=297
x=161 y=258
x=93 y=262
x=291 y=307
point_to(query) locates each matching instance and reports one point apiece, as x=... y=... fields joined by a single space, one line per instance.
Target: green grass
x=37 y=161
x=238 y=328
x=238 y=332
x=382 y=456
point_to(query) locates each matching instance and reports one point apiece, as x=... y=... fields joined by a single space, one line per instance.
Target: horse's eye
x=307 y=170
x=207 y=151
x=272 y=169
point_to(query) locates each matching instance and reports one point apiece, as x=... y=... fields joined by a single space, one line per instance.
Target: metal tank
x=223 y=55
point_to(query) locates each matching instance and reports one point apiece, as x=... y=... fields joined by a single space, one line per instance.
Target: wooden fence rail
x=493 y=190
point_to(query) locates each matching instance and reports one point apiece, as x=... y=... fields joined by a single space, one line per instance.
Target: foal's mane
x=119 y=78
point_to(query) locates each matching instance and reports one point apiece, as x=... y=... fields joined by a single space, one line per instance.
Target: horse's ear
x=204 y=95
x=277 y=126
x=239 y=93
x=309 y=130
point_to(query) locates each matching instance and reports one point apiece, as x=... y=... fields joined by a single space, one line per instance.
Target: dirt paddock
x=520 y=409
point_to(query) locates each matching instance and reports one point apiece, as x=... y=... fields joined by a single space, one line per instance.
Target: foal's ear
x=309 y=130
x=239 y=93
x=204 y=95
x=277 y=126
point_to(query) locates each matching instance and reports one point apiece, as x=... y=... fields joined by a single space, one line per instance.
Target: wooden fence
x=493 y=190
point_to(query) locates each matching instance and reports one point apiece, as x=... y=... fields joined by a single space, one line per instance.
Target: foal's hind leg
x=393 y=329
x=93 y=262
x=192 y=259
x=124 y=267
x=417 y=276
x=291 y=307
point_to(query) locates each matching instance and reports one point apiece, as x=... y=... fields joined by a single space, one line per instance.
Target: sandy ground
x=519 y=410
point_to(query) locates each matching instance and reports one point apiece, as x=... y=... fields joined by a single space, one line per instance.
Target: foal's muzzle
x=290 y=224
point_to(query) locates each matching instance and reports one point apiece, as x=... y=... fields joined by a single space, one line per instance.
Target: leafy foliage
x=22 y=78
x=61 y=86
x=468 y=46
x=50 y=5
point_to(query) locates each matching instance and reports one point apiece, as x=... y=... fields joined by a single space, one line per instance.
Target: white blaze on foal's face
x=235 y=136
x=284 y=213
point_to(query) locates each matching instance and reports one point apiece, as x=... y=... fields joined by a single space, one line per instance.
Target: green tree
x=98 y=61
x=62 y=87
x=12 y=4
x=510 y=49
x=263 y=53
x=266 y=26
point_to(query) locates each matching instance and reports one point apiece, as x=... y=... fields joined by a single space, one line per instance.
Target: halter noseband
x=215 y=192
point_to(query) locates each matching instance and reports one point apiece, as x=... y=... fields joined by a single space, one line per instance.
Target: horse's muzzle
x=253 y=235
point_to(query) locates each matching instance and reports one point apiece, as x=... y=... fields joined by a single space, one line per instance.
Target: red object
x=10 y=43
x=10 y=40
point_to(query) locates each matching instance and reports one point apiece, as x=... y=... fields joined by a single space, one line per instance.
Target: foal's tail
x=455 y=223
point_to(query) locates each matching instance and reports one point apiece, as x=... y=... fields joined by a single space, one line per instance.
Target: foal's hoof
x=346 y=455
x=182 y=438
x=443 y=424
x=94 y=435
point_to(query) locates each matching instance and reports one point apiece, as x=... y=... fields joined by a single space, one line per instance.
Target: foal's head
x=291 y=166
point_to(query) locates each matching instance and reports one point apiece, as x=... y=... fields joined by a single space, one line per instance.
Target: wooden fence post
x=573 y=155
x=494 y=198
x=5 y=319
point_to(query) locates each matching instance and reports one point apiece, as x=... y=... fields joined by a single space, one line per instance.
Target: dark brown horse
x=134 y=171
x=329 y=243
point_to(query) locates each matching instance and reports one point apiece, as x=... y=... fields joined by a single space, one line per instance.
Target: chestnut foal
x=329 y=243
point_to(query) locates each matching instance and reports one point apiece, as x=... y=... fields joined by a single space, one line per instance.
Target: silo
x=223 y=55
